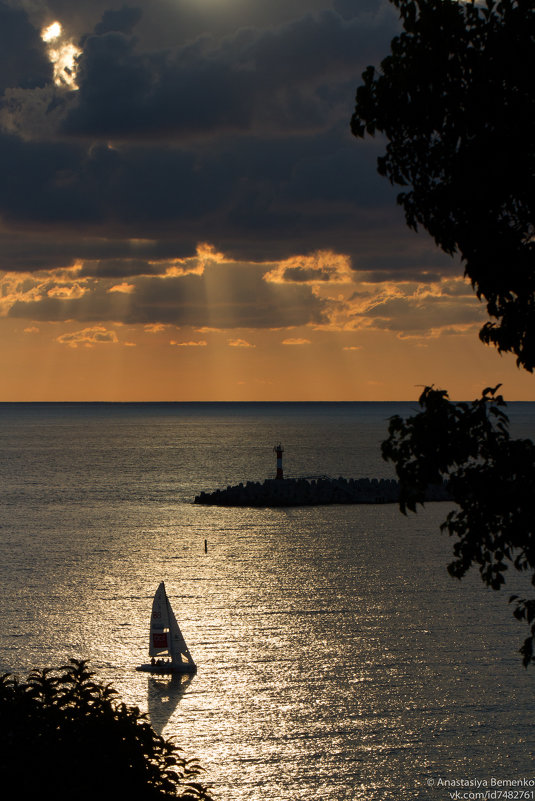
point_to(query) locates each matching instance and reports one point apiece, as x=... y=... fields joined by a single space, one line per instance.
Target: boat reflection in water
x=163 y=695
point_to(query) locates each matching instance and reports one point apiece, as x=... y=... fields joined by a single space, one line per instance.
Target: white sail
x=165 y=638
x=159 y=623
x=180 y=654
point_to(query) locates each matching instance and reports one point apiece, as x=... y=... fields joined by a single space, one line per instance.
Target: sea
x=337 y=659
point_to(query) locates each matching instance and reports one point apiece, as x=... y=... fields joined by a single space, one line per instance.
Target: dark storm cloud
x=42 y=182
x=285 y=78
x=48 y=182
x=413 y=316
x=168 y=23
x=219 y=123
x=102 y=257
x=119 y=268
x=122 y=19
x=254 y=201
x=421 y=276
x=225 y=296
x=275 y=195
x=409 y=257
x=303 y=275
x=353 y=8
x=260 y=196
x=23 y=59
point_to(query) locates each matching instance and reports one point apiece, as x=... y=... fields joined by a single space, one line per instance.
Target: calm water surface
x=337 y=659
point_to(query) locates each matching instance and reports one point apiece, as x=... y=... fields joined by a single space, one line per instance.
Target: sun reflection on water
x=336 y=658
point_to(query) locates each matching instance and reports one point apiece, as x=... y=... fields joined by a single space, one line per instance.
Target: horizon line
x=274 y=402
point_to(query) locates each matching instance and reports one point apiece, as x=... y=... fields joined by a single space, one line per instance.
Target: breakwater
x=312 y=492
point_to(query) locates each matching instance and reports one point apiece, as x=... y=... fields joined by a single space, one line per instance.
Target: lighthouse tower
x=279 y=450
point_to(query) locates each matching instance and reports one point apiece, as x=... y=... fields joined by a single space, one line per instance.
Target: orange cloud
x=206 y=254
x=323 y=266
x=407 y=308
x=124 y=288
x=35 y=287
x=67 y=291
x=199 y=344
x=154 y=328
x=88 y=337
x=240 y=343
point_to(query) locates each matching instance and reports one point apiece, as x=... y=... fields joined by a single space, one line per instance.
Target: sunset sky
x=185 y=215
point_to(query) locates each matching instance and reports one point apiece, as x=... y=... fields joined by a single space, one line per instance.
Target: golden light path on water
x=336 y=667
x=336 y=658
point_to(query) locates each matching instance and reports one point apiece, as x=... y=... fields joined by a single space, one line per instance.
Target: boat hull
x=167 y=669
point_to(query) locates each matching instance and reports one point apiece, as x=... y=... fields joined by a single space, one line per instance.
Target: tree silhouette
x=490 y=476
x=455 y=102
x=65 y=736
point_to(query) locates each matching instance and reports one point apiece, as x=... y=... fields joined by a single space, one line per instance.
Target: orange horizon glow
x=361 y=338
x=112 y=363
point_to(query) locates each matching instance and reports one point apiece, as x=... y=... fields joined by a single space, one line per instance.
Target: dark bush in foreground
x=63 y=735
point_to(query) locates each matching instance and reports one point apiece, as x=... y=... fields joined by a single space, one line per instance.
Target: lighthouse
x=279 y=450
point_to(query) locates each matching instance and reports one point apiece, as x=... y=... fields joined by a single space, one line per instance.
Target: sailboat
x=167 y=646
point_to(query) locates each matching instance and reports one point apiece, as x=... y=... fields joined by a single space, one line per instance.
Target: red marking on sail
x=159 y=639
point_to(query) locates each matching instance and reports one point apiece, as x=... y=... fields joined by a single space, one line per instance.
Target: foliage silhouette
x=455 y=100
x=64 y=735
x=490 y=476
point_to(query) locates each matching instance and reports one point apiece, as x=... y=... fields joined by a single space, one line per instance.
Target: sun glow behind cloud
x=52 y=32
x=63 y=54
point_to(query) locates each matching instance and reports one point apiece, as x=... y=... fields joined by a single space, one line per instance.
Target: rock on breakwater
x=312 y=492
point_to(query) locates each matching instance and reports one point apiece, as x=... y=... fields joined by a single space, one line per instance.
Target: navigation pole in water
x=279 y=450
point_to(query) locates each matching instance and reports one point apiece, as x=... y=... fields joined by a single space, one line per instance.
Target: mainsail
x=159 y=623
x=166 y=639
